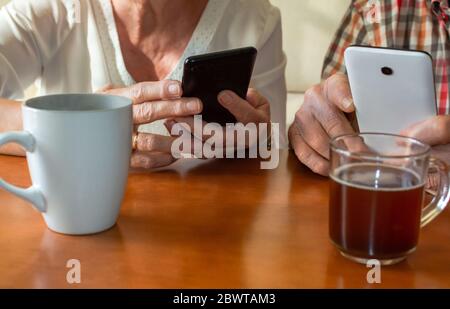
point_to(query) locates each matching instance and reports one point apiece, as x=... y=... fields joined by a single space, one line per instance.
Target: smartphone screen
x=205 y=76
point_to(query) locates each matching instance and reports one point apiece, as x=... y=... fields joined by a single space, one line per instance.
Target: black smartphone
x=205 y=76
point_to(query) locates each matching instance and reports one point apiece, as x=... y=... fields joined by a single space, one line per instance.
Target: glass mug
x=377 y=193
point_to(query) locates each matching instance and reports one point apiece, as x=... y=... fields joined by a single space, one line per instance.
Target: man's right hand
x=321 y=118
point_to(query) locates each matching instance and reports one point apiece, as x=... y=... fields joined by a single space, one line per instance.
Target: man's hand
x=434 y=132
x=321 y=118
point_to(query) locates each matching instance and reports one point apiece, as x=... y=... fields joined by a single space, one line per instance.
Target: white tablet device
x=392 y=89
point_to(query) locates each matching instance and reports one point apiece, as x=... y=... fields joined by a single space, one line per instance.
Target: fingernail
x=193 y=106
x=225 y=98
x=174 y=88
x=410 y=132
x=169 y=123
x=347 y=103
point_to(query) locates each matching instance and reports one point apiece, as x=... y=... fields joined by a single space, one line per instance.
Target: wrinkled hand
x=255 y=109
x=321 y=118
x=434 y=132
x=154 y=101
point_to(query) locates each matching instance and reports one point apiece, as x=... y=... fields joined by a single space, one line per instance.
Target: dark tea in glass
x=377 y=196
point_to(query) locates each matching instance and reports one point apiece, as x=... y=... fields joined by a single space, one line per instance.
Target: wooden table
x=223 y=224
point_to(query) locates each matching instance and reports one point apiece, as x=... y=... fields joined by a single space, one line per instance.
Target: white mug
x=78 y=153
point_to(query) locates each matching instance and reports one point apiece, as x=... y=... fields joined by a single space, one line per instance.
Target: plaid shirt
x=408 y=24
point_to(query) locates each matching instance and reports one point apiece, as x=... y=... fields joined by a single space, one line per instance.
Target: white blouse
x=68 y=46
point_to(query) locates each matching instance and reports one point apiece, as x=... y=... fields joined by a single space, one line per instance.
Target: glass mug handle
x=31 y=194
x=442 y=196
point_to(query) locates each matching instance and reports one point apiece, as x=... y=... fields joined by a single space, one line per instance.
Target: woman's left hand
x=255 y=109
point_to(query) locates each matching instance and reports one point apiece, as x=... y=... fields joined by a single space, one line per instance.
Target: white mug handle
x=31 y=194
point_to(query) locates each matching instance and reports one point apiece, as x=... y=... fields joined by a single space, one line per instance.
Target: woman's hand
x=11 y=120
x=154 y=101
x=255 y=109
